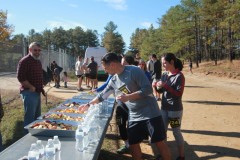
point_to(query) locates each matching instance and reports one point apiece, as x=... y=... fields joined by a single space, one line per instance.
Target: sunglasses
x=37 y=50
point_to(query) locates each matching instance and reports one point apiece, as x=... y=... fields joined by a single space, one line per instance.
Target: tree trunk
x=196 y=42
x=230 y=52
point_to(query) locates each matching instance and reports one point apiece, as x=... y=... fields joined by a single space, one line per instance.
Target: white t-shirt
x=150 y=66
x=78 y=68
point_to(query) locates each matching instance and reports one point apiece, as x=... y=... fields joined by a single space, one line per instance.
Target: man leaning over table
x=144 y=114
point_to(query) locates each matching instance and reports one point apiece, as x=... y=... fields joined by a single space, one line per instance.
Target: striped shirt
x=30 y=70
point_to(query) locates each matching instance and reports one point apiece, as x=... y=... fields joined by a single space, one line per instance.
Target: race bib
x=124 y=89
x=174 y=122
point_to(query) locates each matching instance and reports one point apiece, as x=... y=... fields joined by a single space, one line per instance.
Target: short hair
x=110 y=57
x=154 y=56
x=34 y=44
x=129 y=59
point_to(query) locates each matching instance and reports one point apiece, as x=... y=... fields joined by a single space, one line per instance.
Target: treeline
x=75 y=41
x=196 y=29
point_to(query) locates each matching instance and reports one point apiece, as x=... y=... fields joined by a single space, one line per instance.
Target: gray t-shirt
x=133 y=79
x=173 y=91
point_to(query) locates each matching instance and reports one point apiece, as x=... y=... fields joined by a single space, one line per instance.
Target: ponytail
x=178 y=64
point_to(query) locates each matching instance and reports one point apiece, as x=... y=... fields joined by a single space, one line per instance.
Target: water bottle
x=40 y=147
x=33 y=153
x=57 y=143
x=85 y=135
x=101 y=111
x=90 y=135
x=79 y=136
x=50 y=150
x=94 y=133
x=105 y=108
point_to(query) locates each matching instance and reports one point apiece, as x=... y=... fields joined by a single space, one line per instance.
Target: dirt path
x=211 y=116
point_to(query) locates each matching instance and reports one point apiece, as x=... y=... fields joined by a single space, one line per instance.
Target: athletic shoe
x=123 y=149
x=80 y=89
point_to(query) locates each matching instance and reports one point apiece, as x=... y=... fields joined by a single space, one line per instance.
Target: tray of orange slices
x=61 y=128
x=63 y=116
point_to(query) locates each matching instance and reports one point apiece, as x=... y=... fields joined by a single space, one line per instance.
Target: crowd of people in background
x=137 y=86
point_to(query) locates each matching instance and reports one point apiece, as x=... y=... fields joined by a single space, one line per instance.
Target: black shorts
x=87 y=75
x=80 y=76
x=138 y=130
x=92 y=76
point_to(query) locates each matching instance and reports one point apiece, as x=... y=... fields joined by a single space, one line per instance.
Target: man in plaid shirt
x=30 y=76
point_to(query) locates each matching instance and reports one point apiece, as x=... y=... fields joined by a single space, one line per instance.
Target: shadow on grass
x=17 y=133
x=109 y=155
x=106 y=154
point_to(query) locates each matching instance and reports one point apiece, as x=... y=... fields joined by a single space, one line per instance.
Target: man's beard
x=36 y=58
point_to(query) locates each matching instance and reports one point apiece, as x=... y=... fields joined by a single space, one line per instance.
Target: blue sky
x=88 y=14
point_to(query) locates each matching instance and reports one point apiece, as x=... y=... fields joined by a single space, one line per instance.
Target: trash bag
x=47 y=76
x=60 y=69
x=49 y=73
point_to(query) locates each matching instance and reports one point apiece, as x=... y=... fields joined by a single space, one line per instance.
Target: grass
x=12 y=122
x=72 y=76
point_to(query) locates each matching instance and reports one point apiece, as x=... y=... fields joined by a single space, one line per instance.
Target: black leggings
x=121 y=119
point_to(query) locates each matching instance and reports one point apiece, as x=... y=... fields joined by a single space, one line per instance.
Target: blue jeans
x=32 y=106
